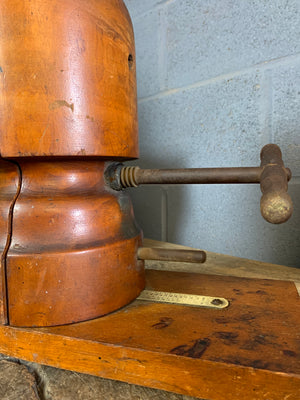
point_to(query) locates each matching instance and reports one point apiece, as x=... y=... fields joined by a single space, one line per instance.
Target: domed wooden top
x=67 y=79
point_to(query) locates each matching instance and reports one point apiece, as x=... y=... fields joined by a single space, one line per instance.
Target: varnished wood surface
x=67 y=74
x=72 y=255
x=248 y=351
x=10 y=185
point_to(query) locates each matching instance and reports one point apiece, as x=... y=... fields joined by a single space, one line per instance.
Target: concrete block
x=286 y=113
x=147 y=40
x=147 y=203
x=208 y=126
x=219 y=218
x=226 y=219
x=210 y=38
x=138 y=7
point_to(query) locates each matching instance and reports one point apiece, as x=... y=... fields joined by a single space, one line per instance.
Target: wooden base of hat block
x=249 y=350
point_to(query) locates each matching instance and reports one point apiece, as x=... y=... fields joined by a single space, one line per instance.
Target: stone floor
x=28 y=381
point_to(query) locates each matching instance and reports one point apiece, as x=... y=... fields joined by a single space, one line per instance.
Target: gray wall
x=218 y=79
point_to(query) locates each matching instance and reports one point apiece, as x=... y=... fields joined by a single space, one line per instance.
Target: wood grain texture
x=73 y=253
x=10 y=186
x=67 y=75
x=248 y=351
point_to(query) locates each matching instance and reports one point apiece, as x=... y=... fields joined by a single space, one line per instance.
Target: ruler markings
x=184 y=299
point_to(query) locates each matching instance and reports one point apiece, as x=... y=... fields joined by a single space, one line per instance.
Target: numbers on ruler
x=184 y=299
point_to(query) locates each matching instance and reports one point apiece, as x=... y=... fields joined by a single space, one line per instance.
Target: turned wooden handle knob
x=276 y=205
x=176 y=255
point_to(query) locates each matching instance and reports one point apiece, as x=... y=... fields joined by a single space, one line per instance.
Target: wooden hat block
x=68 y=106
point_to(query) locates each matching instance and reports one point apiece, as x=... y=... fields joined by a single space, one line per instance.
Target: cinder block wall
x=217 y=80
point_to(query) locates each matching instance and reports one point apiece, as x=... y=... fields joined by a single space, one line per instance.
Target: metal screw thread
x=128 y=176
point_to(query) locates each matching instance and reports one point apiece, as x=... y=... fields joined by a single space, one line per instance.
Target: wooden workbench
x=248 y=351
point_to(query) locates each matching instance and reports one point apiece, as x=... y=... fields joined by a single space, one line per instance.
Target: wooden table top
x=248 y=351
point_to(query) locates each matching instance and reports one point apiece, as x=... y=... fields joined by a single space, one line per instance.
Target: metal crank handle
x=276 y=204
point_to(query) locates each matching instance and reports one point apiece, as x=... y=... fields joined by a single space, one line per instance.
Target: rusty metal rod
x=161 y=254
x=135 y=176
x=118 y=176
x=198 y=175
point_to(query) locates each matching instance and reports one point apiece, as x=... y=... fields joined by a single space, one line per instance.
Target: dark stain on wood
x=260 y=340
x=260 y=292
x=163 y=323
x=289 y=353
x=222 y=320
x=194 y=351
x=238 y=292
x=246 y=317
x=227 y=337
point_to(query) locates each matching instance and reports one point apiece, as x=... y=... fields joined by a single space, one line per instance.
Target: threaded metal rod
x=119 y=177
